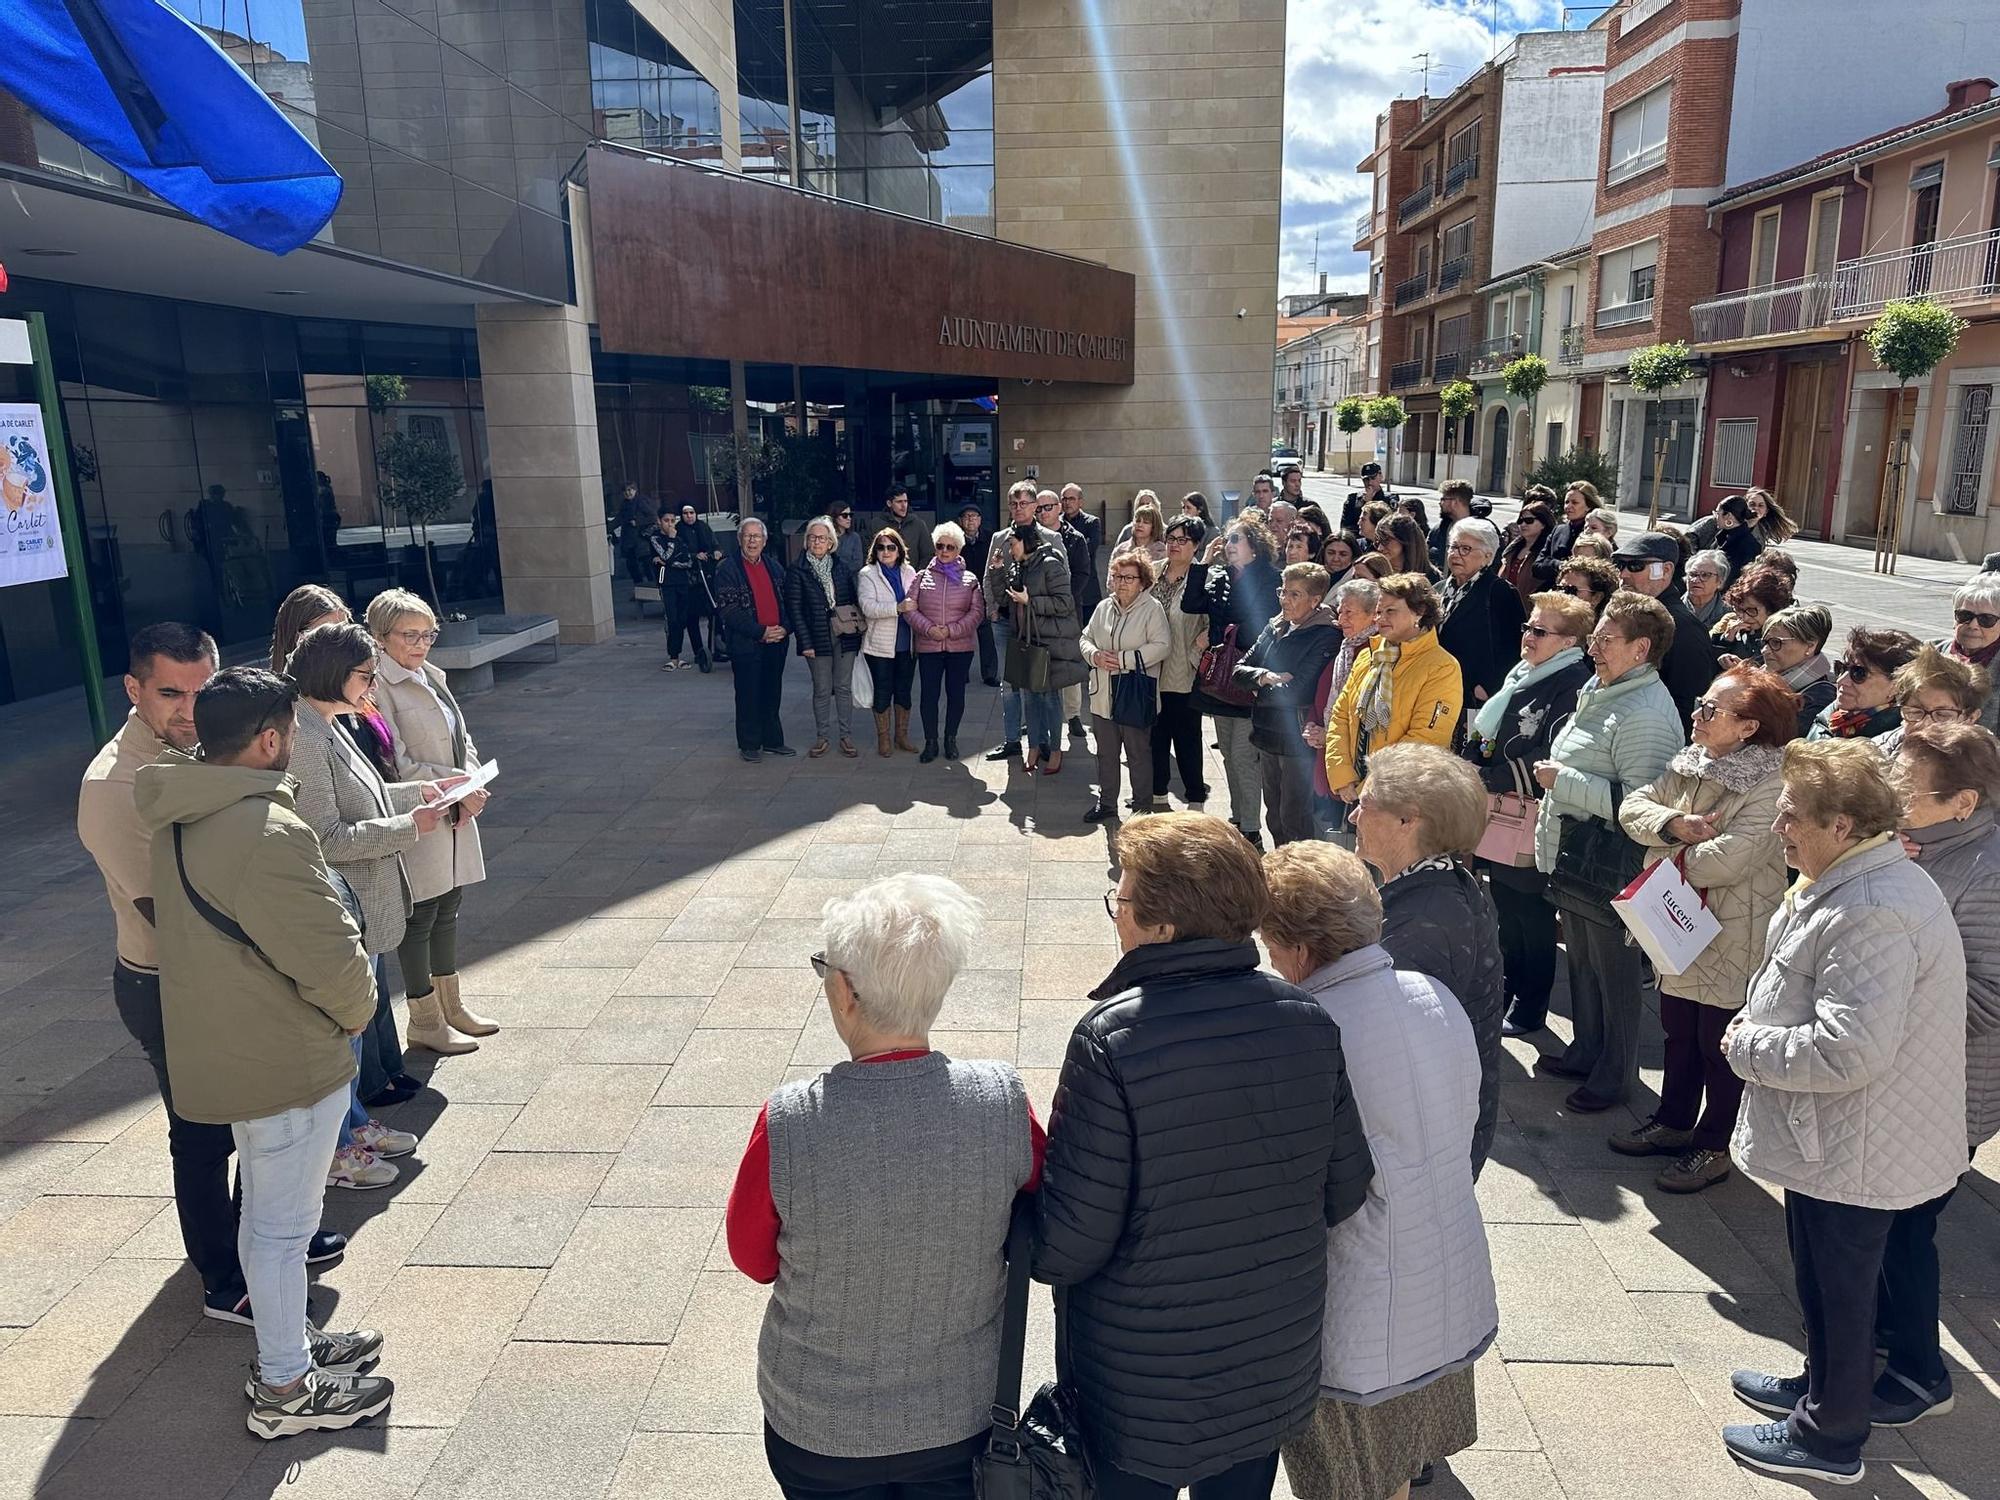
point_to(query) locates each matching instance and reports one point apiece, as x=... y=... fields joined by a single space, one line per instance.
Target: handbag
x=1135 y=698
x=1027 y=665
x=847 y=619
x=1037 y=1454
x=1509 y=838
x=1215 y=674
x=1594 y=859
x=1668 y=918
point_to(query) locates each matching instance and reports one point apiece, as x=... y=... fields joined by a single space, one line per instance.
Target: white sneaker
x=358 y=1169
x=380 y=1140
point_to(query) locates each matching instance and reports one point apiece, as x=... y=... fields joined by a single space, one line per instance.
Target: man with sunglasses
x=1647 y=564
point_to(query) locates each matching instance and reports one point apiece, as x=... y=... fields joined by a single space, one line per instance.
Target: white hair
x=1602 y=519
x=756 y=521
x=1362 y=589
x=826 y=524
x=1481 y=532
x=1714 y=559
x=1980 y=592
x=901 y=941
x=1286 y=505
x=948 y=531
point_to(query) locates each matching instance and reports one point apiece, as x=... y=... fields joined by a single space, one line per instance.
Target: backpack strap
x=220 y=920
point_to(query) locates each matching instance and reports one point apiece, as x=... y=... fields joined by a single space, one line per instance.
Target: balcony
x=1359 y=383
x=1460 y=175
x=1415 y=204
x=1412 y=288
x=1625 y=314
x=1364 y=225
x=1447 y=367
x=1406 y=373
x=1569 y=345
x=1495 y=354
x=1964 y=269
x=1453 y=271
x=1783 y=307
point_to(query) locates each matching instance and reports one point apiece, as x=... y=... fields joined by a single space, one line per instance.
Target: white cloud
x=1345 y=60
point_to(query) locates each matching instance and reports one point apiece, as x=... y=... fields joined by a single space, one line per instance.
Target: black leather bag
x=1594 y=859
x=1037 y=1454
x=1027 y=664
x=1135 y=698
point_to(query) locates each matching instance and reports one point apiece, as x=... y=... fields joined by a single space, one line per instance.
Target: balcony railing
x=1447 y=367
x=1453 y=271
x=1359 y=383
x=1411 y=288
x=1569 y=345
x=1459 y=174
x=1780 y=308
x=1364 y=224
x=1416 y=203
x=1495 y=354
x=1965 y=269
x=1406 y=373
x=1625 y=313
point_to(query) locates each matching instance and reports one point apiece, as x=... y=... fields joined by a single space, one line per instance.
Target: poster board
x=31 y=539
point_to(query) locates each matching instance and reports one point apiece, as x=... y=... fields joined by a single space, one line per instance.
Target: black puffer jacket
x=1203 y=1140
x=812 y=616
x=1441 y=922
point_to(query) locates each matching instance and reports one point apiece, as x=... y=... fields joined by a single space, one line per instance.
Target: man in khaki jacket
x=262 y=981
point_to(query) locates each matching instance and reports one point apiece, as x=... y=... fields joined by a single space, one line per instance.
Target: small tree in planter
x=1386 y=414
x=1350 y=416
x=1652 y=370
x=1910 y=338
x=1456 y=402
x=1523 y=379
x=423 y=480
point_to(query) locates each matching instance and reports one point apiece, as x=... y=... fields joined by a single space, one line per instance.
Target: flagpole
x=72 y=526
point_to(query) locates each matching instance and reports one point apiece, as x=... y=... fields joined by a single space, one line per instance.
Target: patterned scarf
x=1378 y=693
x=823 y=570
x=1854 y=723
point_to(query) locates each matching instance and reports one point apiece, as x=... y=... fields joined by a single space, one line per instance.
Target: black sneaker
x=228 y=1307
x=1771 y=1447
x=751 y=755
x=1007 y=750
x=1898 y=1401
x=1776 y=1394
x=1097 y=812
x=320 y=1402
x=325 y=1245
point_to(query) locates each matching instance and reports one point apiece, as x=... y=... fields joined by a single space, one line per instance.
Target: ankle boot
x=903 y=731
x=427 y=1025
x=455 y=1013
x=882 y=734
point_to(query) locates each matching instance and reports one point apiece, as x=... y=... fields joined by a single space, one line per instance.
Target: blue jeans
x=1045 y=720
x=357 y=1112
x=381 y=1048
x=1010 y=696
x=282 y=1160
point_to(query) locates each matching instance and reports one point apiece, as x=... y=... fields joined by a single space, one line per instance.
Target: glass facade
x=644 y=93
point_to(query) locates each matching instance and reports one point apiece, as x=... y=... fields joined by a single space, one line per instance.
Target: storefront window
x=643 y=92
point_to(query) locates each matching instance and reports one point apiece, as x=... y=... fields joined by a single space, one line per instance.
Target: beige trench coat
x=428 y=750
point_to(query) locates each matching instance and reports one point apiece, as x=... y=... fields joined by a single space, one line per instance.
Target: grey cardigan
x=1964 y=860
x=364 y=824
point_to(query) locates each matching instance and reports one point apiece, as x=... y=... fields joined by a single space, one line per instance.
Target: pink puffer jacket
x=958 y=607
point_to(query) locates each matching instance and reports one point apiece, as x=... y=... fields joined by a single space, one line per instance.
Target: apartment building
x=1532 y=310
x=1315 y=372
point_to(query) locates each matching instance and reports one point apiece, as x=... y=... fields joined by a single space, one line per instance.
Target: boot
x=427 y=1025
x=455 y=1012
x=903 y=731
x=882 y=734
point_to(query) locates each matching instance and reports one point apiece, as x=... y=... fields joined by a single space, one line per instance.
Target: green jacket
x=250 y=1032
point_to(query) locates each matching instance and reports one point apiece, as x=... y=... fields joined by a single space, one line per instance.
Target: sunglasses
x=1628 y=565
x=947 y=546
x=1707 y=708
x=1538 y=632
x=1571 y=589
x=819 y=963
x=1856 y=670
x=1967 y=616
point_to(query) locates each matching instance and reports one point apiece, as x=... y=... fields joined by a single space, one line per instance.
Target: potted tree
x=1911 y=338
x=422 y=479
x=1350 y=415
x=1523 y=379
x=1652 y=369
x=1386 y=414
x=1456 y=402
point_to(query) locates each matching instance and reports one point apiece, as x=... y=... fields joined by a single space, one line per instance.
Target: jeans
x=1045 y=720
x=1250 y=1480
x=1111 y=738
x=760 y=687
x=926 y=1474
x=892 y=677
x=283 y=1159
x=947 y=670
x=1177 y=731
x=1012 y=710
x=1605 y=1002
x=1694 y=1066
x=1906 y=1315
x=430 y=942
x=831 y=700
x=1288 y=789
x=200 y=1153
x=357 y=1112
x=1836 y=1260
x=989 y=655
x=381 y=1048
x=1527 y=944
x=1242 y=768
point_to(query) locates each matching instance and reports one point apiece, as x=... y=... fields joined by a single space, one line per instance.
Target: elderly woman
x=1591 y=579
x=1592 y=545
x=1147 y=534
x=754 y=621
x=1174 y=1298
x=1864 y=691
x=949 y=609
x=1410 y=1298
x=1949 y=775
x=1756 y=595
x=1405 y=687
x=1283 y=671
x=1420 y=815
x=1353 y=602
x=888 y=643
x=1177 y=727
x=1934 y=689
x=1794 y=648
x=1975 y=635
x=1302 y=543
x=1852 y=1047
x=1524 y=542
x=1511 y=732
x=1127 y=637
x=1624 y=733
x=1238 y=593
x=823 y=600
x=1604 y=522
x=1704 y=578
x=1482 y=615
x=433 y=742
x=1043 y=613
x=874 y=1384
x=1711 y=812
x=365 y=827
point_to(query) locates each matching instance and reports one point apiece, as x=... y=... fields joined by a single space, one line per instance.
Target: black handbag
x=1135 y=698
x=1594 y=859
x=1027 y=666
x=1037 y=1454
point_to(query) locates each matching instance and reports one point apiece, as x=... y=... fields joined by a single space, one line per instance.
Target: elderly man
x=1021 y=511
x=750 y=597
x=1482 y=612
x=1646 y=566
x=1084 y=589
x=1279 y=519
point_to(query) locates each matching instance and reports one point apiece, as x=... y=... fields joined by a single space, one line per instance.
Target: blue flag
x=151 y=94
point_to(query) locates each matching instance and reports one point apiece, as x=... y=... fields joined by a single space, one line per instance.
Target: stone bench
x=644 y=594
x=468 y=670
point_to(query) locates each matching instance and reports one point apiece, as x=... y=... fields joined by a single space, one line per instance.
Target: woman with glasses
x=823 y=599
x=1864 y=692
x=1795 y=648
x=1703 y=578
x=1237 y=591
x=1591 y=579
x=948 y=612
x=1756 y=595
x=1934 y=689
x=433 y=742
x=1127 y=636
x=888 y=643
x=1711 y=812
x=1975 y=636
x=1481 y=628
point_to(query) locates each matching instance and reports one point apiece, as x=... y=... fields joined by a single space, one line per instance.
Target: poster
x=31 y=543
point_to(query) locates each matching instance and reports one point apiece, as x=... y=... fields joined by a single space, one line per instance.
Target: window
x=1823 y=251
x=1457 y=242
x=1959 y=493
x=1464 y=146
x=1496 y=318
x=1639 y=135
x=1764 y=248
x=1555 y=444
x=1735 y=453
x=1625 y=284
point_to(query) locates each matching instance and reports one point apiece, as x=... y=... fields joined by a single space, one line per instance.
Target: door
x=965 y=466
x=1590 y=413
x=1496 y=453
x=1923 y=234
x=1763 y=271
x=1666 y=458
x=1891 y=436
x=1805 y=440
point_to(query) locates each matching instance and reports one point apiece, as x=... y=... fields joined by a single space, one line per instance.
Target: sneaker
x=1776 y=1394
x=325 y=1245
x=1898 y=1401
x=333 y=1353
x=358 y=1169
x=1771 y=1447
x=228 y=1307
x=1651 y=1139
x=382 y=1141
x=1254 y=840
x=1693 y=1172
x=320 y=1402
x=1197 y=807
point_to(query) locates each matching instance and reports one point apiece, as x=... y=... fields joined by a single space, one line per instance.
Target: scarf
x=1493 y=712
x=1981 y=658
x=823 y=570
x=1815 y=668
x=894 y=574
x=953 y=571
x=1429 y=862
x=1860 y=723
x=1740 y=771
x=1344 y=659
x=1378 y=693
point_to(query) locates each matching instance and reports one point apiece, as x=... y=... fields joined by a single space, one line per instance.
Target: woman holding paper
x=433 y=742
x=1712 y=811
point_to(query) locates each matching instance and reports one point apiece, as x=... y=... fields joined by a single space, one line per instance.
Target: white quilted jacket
x=1852 y=1041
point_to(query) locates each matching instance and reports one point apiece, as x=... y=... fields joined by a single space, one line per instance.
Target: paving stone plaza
x=561 y=1314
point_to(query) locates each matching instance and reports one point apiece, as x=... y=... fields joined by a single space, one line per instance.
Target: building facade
x=1315 y=372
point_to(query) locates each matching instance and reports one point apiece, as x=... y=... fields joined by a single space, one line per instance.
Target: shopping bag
x=1135 y=698
x=1510 y=830
x=861 y=682
x=1027 y=663
x=1666 y=916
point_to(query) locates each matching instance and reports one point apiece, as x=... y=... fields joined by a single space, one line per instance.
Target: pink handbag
x=1510 y=830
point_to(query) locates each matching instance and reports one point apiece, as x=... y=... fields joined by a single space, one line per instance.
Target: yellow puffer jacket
x=1427 y=696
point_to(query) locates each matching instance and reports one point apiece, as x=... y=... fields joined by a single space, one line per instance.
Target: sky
x=1345 y=60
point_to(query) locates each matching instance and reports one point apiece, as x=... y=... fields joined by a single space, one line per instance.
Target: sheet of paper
x=475 y=782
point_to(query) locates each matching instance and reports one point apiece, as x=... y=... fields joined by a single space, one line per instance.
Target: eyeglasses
x=416 y=637
x=1118 y=578
x=1707 y=708
x=1571 y=589
x=1778 y=642
x=1967 y=616
x=1538 y=631
x=1460 y=549
x=366 y=674
x=819 y=963
x=1856 y=670
x=1913 y=715
x=1112 y=901
x=888 y=547
x=947 y=546
x=1629 y=565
